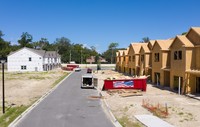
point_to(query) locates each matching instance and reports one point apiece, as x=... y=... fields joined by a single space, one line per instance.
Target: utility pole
x=111 y=55
x=3 y=93
x=81 y=56
x=70 y=56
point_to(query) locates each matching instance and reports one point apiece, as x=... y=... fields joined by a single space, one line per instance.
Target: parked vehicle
x=89 y=81
x=77 y=69
x=89 y=70
x=70 y=67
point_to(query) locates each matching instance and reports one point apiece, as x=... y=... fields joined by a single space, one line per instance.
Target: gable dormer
x=194 y=35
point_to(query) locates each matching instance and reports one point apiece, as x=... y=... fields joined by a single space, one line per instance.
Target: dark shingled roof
x=43 y=53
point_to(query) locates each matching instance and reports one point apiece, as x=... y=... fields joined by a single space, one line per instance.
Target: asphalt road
x=68 y=106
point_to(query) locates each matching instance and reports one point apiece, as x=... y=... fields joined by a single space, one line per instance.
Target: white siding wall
x=46 y=61
x=58 y=60
x=21 y=58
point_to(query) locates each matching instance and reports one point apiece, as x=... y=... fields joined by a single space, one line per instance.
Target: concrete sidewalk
x=152 y=121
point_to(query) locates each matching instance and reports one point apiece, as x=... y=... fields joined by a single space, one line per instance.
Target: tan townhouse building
x=161 y=62
x=144 y=59
x=125 y=61
x=134 y=59
x=121 y=59
x=174 y=63
x=185 y=62
x=194 y=72
x=150 y=46
x=117 y=61
x=181 y=60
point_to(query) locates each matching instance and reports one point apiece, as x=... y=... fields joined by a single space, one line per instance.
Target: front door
x=157 y=79
x=198 y=85
x=133 y=72
x=176 y=83
x=36 y=69
x=129 y=71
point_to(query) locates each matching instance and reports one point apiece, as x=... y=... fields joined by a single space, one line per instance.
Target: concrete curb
x=107 y=108
x=193 y=97
x=17 y=120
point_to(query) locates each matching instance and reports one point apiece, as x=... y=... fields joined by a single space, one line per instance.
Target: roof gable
x=38 y=52
x=184 y=40
x=194 y=35
x=136 y=47
x=117 y=53
x=120 y=52
x=145 y=48
x=196 y=29
x=163 y=44
x=42 y=53
x=125 y=52
x=151 y=43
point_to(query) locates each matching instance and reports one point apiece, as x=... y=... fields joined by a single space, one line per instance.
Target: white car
x=77 y=69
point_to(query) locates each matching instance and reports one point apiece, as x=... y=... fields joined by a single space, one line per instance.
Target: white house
x=27 y=59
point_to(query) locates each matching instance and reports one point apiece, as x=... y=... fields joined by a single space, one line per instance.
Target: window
x=177 y=55
x=156 y=57
x=129 y=58
x=29 y=59
x=23 y=67
x=133 y=58
x=142 y=58
x=124 y=58
x=180 y=55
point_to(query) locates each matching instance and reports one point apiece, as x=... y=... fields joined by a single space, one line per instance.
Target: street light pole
x=111 y=56
x=70 y=56
x=3 y=93
x=81 y=56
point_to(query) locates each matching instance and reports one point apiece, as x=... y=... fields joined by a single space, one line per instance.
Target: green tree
x=35 y=45
x=1 y=34
x=110 y=53
x=113 y=47
x=86 y=53
x=184 y=33
x=4 y=46
x=77 y=53
x=145 y=39
x=25 y=40
x=14 y=47
x=63 y=46
x=44 y=44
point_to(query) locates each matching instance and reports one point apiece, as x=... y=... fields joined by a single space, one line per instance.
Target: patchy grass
x=11 y=114
x=36 y=77
x=183 y=116
x=26 y=75
x=60 y=79
x=125 y=122
x=180 y=113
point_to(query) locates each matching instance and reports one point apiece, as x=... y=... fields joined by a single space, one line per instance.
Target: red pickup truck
x=70 y=67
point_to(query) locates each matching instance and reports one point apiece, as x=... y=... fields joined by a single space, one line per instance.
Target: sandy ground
x=183 y=111
x=25 y=88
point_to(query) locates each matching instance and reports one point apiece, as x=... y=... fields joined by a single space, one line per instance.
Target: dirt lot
x=25 y=88
x=182 y=111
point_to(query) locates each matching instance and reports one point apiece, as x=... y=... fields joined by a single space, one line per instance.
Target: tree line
x=68 y=51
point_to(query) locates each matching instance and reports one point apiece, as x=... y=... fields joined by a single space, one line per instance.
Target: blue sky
x=98 y=22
